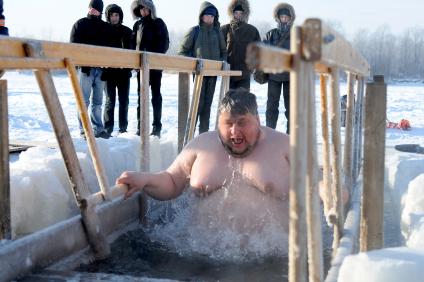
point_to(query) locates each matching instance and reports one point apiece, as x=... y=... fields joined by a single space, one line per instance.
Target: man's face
x=238 y=134
x=144 y=12
x=285 y=19
x=238 y=15
x=208 y=19
x=114 y=18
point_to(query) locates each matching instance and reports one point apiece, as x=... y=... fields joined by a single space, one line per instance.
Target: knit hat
x=238 y=8
x=96 y=4
x=210 y=11
x=284 y=11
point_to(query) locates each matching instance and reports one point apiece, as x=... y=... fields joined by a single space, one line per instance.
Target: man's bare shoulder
x=273 y=135
x=204 y=140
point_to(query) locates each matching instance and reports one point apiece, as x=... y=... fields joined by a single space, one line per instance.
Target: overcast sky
x=53 y=19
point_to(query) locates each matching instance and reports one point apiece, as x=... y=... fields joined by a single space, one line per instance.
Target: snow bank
x=405 y=177
x=40 y=190
x=387 y=265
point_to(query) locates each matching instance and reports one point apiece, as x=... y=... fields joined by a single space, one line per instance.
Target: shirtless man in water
x=262 y=156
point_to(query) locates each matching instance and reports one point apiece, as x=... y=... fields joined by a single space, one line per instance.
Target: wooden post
x=144 y=130
x=144 y=112
x=348 y=144
x=225 y=83
x=313 y=208
x=357 y=157
x=5 y=223
x=90 y=219
x=374 y=145
x=299 y=90
x=183 y=106
x=335 y=157
x=85 y=120
x=191 y=123
x=326 y=177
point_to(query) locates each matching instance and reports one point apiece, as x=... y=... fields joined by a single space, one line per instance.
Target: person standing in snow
x=150 y=34
x=120 y=37
x=94 y=31
x=238 y=34
x=284 y=15
x=3 y=28
x=205 y=41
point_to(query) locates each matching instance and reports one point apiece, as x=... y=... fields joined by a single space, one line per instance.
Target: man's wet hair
x=239 y=102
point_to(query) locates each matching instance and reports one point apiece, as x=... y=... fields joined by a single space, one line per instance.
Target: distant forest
x=396 y=56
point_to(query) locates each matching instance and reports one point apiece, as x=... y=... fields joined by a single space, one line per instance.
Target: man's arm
x=165 y=185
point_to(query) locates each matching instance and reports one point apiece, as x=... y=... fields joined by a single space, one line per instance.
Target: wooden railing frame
x=327 y=53
x=43 y=56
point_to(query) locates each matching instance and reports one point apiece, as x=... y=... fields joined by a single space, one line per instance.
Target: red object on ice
x=404 y=124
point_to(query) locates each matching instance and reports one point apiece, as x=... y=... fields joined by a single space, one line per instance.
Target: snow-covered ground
x=40 y=193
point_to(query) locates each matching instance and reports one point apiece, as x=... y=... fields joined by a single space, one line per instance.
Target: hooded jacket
x=90 y=30
x=280 y=37
x=208 y=43
x=149 y=33
x=237 y=35
x=120 y=36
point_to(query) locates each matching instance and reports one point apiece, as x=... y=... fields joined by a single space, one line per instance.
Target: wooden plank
x=313 y=207
x=194 y=106
x=61 y=240
x=334 y=51
x=349 y=241
x=335 y=147
x=5 y=216
x=268 y=58
x=326 y=178
x=79 y=187
x=144 y=128
x=31 y=63
x=298 y=165
x=374 y=154
x=96 y=56
x=85 y=120
x=183 y=106
x=225 y=83
x=348 y=143
x=358 y=126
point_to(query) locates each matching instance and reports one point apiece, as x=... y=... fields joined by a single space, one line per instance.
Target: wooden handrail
x=95 y=56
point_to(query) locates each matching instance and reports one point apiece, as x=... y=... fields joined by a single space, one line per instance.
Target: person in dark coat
x=3 y=29
x=94 y=31
x=280 y=37
x=120 y=37
x=205 y=41
x=238 y=34
x=150 y=34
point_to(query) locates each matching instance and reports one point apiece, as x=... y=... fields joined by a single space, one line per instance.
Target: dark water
x=136 y=255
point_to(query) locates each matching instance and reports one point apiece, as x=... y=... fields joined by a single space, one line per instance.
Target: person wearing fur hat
x=117 y=79
x=205 y=41
x=238 y=34
x=284 y=15
x=150 y=34
x=94 y=31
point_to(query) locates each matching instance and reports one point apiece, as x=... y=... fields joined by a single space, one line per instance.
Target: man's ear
x=257 y=118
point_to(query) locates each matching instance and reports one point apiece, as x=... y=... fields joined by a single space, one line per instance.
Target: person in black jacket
x=150 y=34
x=284 y=15
x=120 y=37
x=3 y=28
x=92 y=30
